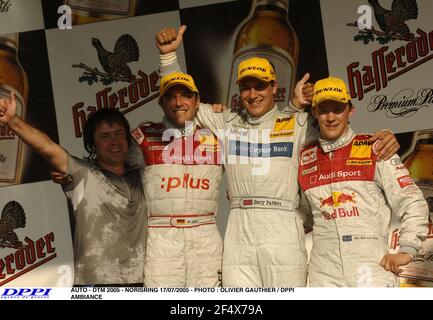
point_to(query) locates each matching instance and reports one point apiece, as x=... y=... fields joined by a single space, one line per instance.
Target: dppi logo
x=25 y=293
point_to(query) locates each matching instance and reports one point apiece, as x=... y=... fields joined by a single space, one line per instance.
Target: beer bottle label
x=284 y=70
x=119 y=7
x=10 y=144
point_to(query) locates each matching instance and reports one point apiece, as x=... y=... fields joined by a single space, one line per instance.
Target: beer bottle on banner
x=13 y=78
x=267 y=33
x=90 y=11
x=419 y=161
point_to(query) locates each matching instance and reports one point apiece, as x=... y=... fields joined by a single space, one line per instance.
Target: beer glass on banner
x=419 y=161
x=90 y=11
x=13 y=78
x=267 y=33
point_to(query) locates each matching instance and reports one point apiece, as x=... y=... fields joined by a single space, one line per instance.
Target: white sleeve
x=206 y=118
x=292 y=108
x=406 y=201
x=305 y=211
x=309 y=129
x=168 y=64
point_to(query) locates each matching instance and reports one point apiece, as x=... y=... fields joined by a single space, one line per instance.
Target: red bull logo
x=341 y=213
x=336 y=201
x=326 y=202
x=308 y=156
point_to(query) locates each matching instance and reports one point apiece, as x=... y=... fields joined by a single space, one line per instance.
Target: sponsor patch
x=337 y=199
x=239 y=132
x=396 y=161
x=247 y=202
x=341 y=213
x=309 y=170
x=208 y=148
x=154 y=139
x=284 y=124
x=360 y=149
x=405 y=181
x=255 y=150
x=282 y=134
x=154 y=130
x=137 y=135
x=340 y=174
x=207 y=139
x=156 y=148
x=359 y=162
x=347 y=238
x=309 y=156
x=332 y=146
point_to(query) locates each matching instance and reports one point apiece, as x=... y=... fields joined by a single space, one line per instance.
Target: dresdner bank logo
x=26 y=293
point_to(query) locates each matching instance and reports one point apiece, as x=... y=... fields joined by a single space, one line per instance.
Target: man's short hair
x=109 y=116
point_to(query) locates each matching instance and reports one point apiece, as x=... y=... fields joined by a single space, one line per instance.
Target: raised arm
x=167 y=41
x=302 y=94
x=36 y=139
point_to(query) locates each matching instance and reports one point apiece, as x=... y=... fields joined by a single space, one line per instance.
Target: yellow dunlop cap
x=258 y=68
x=330 y=89
x=176 y=78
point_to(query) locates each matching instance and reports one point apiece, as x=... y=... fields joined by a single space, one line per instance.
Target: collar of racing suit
x=177 y=132
x=343 y=140
x=267 y=116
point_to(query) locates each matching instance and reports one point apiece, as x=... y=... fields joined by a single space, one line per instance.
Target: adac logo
x=362 y=143
x=207 y=141
x=206 y=137
x=137 y=92
x=361 y=149
x=27 y=256
x=283 y=127
x=337 y=199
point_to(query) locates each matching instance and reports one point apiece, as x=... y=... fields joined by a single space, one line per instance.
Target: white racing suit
x=264 y=244
x=352 y=195
x=181 y=183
